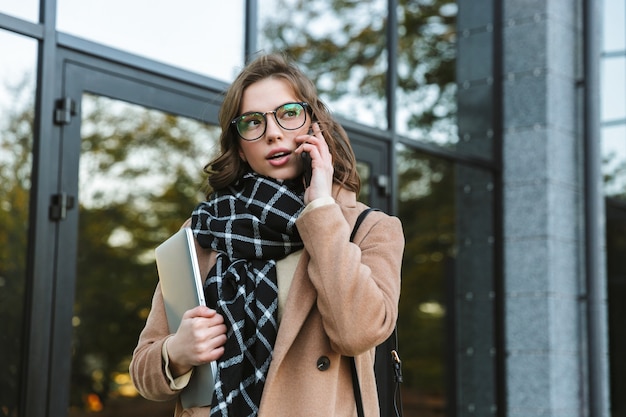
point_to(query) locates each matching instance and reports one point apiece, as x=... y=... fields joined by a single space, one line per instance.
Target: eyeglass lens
x=289 y=116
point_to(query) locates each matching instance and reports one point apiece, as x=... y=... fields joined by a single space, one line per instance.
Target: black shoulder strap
x=355 y=377
x=396 y=363
x=360 y=219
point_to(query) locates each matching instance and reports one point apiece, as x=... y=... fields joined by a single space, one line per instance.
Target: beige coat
x=342 y=302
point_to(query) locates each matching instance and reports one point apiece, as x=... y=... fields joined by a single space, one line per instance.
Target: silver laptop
x=181 y=285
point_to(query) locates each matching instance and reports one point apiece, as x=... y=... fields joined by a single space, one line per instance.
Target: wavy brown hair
x=228 y=167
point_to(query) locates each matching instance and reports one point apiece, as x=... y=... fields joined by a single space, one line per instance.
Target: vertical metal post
x=498 y=145
x=595 y=284
x=251 y=29
x=37 y=333
x=391 y=87
x=392 y=62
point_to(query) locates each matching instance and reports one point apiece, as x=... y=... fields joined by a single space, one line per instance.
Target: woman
x=290 y=297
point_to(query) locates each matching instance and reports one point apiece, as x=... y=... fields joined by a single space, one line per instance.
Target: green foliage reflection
x=342 y=46
x=427 y=211
x=16 y=133
x=140 y=177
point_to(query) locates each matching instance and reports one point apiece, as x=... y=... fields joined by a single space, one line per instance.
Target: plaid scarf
x=250 y=225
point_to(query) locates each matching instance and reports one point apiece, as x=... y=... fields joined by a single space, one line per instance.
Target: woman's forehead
x=267 y=94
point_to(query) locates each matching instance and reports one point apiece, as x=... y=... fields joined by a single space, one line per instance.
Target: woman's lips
x=279 y=158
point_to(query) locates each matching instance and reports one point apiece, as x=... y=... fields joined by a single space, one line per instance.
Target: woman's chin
x=284 y=174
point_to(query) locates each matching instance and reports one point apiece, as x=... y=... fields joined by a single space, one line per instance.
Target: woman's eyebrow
x=267 y=111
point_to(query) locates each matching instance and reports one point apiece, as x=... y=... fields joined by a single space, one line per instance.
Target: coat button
x=323 y=363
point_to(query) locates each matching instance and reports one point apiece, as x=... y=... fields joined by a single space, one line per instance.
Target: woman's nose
x=272 y=129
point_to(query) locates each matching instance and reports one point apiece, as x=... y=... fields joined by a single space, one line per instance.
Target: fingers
x=315 y=144
x=202 y=324
x=321 y=163
x=314 y=141
x=209 y=344
x=199 y=339
x=317 y=130
x=199 y=311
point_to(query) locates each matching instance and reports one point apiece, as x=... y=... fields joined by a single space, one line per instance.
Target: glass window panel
x=426 y=209
x=17 y=86
x=613 y=85
x=141 y=175
x=616 y=291
x=426 y=93
x=365 y=171
x=614 y=160
x=196 y=35
x=614 y=32
x=614 y=172
x=25 y=9
x=340 y=45
x=446 y=210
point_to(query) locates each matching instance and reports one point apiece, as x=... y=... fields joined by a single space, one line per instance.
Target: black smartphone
x=306 y=158
x=308 y=170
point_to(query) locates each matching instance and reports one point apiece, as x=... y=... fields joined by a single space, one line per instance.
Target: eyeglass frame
x=305 y=106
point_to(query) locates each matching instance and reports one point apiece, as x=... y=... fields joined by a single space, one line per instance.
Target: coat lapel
x=300 y=300
x=302 y=294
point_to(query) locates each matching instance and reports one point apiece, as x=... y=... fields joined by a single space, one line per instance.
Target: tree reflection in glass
x=140 y=177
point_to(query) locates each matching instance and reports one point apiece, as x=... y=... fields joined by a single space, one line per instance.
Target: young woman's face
x=272 y=155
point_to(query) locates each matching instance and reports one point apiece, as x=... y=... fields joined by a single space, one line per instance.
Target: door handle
x=59 y=205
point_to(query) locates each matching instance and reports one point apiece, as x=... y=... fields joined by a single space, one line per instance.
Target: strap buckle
x=397 y=366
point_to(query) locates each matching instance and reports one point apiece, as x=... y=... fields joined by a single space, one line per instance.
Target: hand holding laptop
x=199 y=331
x=199 y=339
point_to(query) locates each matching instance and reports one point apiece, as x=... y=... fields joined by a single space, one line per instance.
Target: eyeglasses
x=290 y=116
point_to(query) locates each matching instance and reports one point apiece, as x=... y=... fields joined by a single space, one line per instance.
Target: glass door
x=133 y=153
x=140 y=175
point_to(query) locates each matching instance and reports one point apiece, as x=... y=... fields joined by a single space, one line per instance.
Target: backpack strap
x=359 y=220
x=396 y=363
x=355 y=377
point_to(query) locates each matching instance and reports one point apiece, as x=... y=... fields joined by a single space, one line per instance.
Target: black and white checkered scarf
x=250 y=225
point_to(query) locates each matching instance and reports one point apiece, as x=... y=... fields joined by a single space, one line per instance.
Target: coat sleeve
x=147 y=365
x=358 y=284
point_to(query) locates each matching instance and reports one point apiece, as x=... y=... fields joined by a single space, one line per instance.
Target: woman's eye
x=289 y=113
x=251 y=122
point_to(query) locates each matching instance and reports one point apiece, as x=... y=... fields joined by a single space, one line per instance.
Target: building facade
x=495 y=130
